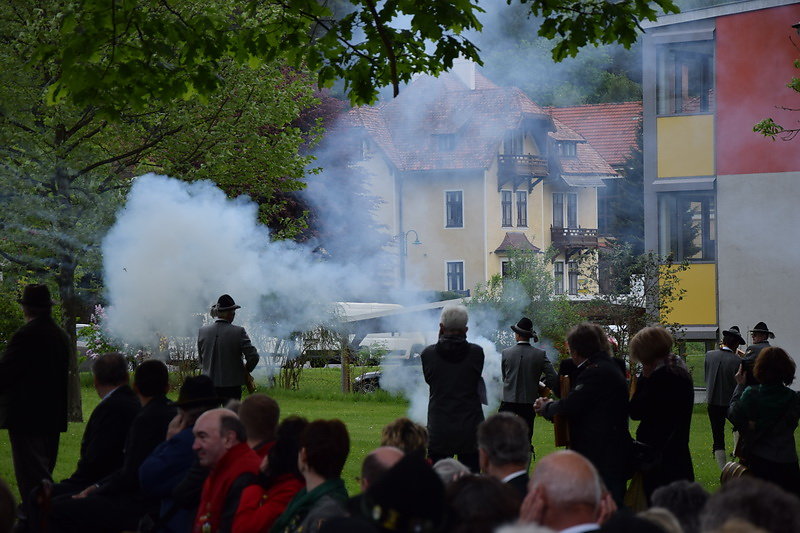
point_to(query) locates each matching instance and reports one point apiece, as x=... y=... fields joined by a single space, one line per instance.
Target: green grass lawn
x=320 y=397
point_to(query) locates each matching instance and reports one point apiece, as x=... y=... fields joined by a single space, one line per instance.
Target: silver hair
x=454 y=317
x=568 y=485
x=504 y=438
x=449 y=469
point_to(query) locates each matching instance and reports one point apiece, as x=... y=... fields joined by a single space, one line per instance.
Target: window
x=505 y=204
x=558 y=275
x=455 y=275
x=687 y=225
x=513 y=144
x=568 y=148
x=505 y=268
x=454 y=208
x=572 y=275
x=685 y=82
x=522 y=208
x=560 y=210
x=445 y=142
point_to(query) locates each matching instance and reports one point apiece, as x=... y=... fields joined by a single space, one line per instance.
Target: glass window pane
x=558 y=210
x=506 y=208
x=685 y=78
x=522 y=208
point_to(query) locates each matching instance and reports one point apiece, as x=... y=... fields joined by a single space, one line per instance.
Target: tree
x=66 y=163
x=526 y=290
x=769 y=128
x=115 y=53
x=641 y=290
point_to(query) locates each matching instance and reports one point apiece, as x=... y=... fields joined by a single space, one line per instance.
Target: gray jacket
x=720 y=367
x=523 y=367
x=221 y=347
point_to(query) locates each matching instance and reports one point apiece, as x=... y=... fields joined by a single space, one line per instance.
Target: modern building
x=717 y=194
x=469 y=171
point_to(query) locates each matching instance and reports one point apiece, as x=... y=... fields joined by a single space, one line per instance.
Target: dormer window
x=445 y=142
x=568 y=148
x=513 y=143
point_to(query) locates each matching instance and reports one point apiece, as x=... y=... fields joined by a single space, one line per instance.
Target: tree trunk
x=69 y=310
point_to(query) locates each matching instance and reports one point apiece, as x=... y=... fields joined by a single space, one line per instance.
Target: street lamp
x=403 y=237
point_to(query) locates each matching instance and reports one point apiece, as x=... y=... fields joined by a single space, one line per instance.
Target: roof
x=611 y=129
x=516 y=241
x=441 y=124
x=723 y=8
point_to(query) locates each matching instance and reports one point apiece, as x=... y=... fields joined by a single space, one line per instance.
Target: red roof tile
x=408 y=127
x=610 y=128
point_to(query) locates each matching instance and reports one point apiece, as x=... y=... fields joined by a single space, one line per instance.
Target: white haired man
x=452 y=368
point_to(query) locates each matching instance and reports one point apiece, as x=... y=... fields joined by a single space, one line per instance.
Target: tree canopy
x=116 y=53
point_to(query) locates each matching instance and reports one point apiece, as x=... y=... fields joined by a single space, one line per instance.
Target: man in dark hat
x=760 y=334
x=720 y=368
x=33 y=383
x=222 y=346
x=170 y=461
x=523 y=368
x=452 y=368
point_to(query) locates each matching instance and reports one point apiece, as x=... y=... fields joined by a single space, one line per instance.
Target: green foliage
x=527 y=290
x=10 y=312
x=626 y=199
x=126 y=53
x=640 y=290
x=769 y=128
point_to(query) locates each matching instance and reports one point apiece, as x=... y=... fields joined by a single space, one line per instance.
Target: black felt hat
x=226 y=303
x=761 y=327
x=197 y=391
x=407 y=497
x=735 y=333
x=36 y=295
x=525 y=328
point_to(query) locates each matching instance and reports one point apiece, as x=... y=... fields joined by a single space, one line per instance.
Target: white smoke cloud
x=177 y=246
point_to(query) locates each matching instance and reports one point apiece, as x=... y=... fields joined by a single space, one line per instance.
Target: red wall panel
x=754 y=62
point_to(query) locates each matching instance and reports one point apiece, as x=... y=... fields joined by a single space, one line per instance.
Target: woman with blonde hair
x=767 y=416
x=663 y=403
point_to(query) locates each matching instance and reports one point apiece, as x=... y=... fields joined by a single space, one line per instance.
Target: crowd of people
x=210 y=462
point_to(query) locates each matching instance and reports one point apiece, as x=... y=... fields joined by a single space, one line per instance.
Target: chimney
x=464 y=69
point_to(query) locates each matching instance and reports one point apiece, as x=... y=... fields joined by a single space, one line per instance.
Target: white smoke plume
x=177 y=246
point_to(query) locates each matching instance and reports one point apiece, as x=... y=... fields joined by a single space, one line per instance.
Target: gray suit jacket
x=720 y=366
x=221 y=347
x=523 y=367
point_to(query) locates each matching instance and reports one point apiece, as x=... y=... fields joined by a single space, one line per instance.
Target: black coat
x=749 y=361
x=664 y=403
x=104 y=437
x=597 y=414
x=148 y=430
x=33 y=378
x=452 y=368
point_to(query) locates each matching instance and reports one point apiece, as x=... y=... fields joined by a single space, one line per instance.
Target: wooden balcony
x=513 y=167
x=573 y=237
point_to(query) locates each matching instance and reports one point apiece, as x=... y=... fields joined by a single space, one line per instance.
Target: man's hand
x=533 y=507
x=540 y=404
x=176 y=425
x=85 y=492
x=740 y=376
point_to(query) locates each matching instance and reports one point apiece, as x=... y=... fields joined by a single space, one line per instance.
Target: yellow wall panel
x=685 y=146
x=699 y=304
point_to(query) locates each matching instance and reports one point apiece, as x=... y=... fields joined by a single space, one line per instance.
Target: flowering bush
x=97 y=340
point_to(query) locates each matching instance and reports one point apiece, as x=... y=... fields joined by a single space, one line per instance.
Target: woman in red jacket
x=280 y=480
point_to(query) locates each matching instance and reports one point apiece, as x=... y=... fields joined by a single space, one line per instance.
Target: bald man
x=377 y=462
x=221 y=446
x=564 y=492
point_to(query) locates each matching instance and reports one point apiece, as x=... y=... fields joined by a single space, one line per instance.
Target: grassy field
x=365 y=415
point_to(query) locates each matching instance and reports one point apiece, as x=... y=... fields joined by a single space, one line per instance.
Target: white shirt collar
x=109 y=393
x=581 y=528
x=513 y=475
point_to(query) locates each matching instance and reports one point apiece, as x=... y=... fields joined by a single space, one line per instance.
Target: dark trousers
x=785 y=475
x=96 y=513
x=717 y=415
x=229 y=393
x=34 y=457
x=470 y=460
x=524 y=411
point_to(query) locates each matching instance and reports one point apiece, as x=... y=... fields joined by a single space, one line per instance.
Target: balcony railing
x=522 y=166
x=573 y=237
